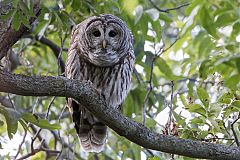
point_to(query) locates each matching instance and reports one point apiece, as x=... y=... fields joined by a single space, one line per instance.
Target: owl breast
x=112 y=82
x=101 y=52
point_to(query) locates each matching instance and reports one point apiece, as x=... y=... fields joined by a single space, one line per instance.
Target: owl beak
x=104 y=44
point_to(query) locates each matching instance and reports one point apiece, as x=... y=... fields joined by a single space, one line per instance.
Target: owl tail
x=91 y=131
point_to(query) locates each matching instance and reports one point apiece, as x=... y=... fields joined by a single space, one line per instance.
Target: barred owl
x=101 y=51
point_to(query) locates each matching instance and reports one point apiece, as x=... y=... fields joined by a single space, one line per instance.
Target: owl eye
x=112 y=34
x=97 y=33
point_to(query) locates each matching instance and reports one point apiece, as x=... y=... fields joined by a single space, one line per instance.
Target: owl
x=101 y=51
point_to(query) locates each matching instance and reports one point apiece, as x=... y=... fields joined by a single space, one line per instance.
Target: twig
x=49 y=106
x=55 y=134
x=39 y=130
x=59 y=57
x=168 y=125
x=35 y=105
x=169 y=9
x=137 y=75
x=150 y=87
x=59 y=135
x=38 y=150
x=10 y=100
x=20 y=146
x=234 y=132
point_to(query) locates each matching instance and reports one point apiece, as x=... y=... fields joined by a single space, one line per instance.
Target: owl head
x=104 y=40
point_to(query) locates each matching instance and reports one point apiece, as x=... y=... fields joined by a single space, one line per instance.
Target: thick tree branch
x=8 y=36
x=94 y=102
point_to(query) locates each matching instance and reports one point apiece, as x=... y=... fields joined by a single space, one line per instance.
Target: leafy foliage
x=193 y=49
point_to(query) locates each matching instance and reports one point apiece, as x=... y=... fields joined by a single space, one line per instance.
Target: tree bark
x=8 y=36
x=94 y=102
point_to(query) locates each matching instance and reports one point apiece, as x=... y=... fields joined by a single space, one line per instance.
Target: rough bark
x=8 y=36
x=135 y=132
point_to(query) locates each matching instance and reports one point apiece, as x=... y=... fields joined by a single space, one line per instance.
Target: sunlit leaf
x=232 y=81
x=207 y=22
x=138 y=13
x=197 y=108
x=12 y=116
x=203 y=96
x=16 y=20
x=154 y=158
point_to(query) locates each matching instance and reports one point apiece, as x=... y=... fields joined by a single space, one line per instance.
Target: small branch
x=49 y=106
x=20 y=146
x=59 y=134
x=234 y=132
x=48 y=151
x=137 y=75
x=56 y=136
x=60 y=52
x=150 y=87
x=169 y=9
x=168 y=128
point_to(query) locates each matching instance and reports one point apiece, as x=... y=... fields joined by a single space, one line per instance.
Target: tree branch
x=8 y=36
x=94 y=102
x=169 y=9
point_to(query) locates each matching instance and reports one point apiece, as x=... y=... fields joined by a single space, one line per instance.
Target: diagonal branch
x=169 y=9
x=135 y=132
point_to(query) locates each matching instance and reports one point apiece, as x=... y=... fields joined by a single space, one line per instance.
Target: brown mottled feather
x=109 y=70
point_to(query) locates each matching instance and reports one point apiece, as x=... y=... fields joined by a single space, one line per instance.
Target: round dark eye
x=112 y=34
x=97 y=33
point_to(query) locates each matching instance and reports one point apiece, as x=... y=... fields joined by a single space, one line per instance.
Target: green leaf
x=215 y=124
x=197 y=120
x=28 y=12
x=202 y=134
x=226 y=98
x=207 y=22
x=205 y=68
x=214 y=110
x=44 y=124
x=226 y=18
x=165 y=17
x=24 y=125
x=236 y=103
x=197 y=108
x=154 y=158
x=24 y=20
x=165 y=69
x=30 y=118
x=11 y=116
x=11 y=13
x=233 y=81
x=203 y=96
x=16 y=22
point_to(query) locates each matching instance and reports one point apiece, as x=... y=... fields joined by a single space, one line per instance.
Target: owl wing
x=91 y=131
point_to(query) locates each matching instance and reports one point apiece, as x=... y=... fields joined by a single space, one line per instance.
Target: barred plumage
x=101 y=51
